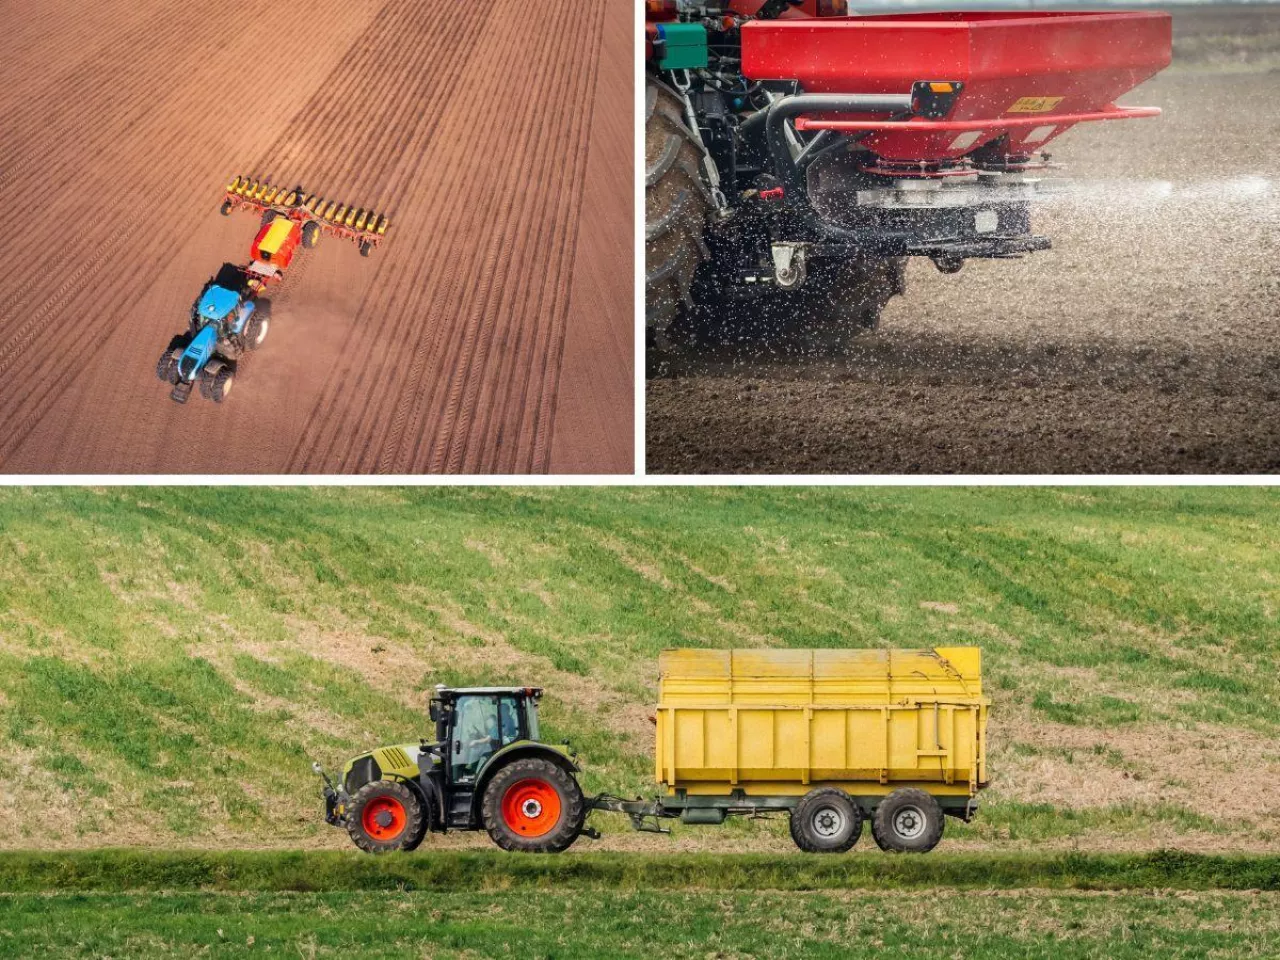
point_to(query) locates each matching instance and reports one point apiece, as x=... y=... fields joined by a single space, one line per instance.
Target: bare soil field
x=491 y=333
x=1146 y=341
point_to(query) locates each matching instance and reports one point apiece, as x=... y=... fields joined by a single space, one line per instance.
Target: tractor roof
x=217 y=302
x=443 y=691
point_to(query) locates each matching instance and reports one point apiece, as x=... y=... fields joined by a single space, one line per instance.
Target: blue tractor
x=227 y=319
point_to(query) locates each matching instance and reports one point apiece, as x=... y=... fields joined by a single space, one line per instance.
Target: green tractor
x=486 y=769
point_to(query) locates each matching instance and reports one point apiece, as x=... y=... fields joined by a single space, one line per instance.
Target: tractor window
x=476 y=735
x=531 y=719
x=510 y=720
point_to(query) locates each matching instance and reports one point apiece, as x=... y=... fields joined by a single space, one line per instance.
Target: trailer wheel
x=225 y=209
x=385 y=816
x=310 y=234
x=826 y=820
x=533 y=806
x=366 y=248
x=677 y=203
x=907 y=821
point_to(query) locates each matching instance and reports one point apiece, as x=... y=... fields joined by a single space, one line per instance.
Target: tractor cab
x=222 y=295
x=474 y=723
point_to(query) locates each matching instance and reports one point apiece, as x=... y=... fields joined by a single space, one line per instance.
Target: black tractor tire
x=310 y=234
x=225 y=209
x=268 y=216
x=255 y=333
x=516 y=809
x=385 y=817
x=677 y=204
x=826 y=820
x=366 y=248
x=167 y=368
x=216 y=380
x=907 y=821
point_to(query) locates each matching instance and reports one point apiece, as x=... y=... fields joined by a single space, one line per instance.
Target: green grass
x=170 y=659
x=115 y=871
x=642 y=925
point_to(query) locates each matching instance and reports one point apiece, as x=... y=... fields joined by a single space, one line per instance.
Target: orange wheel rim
x=383 y=818
x=531 y=807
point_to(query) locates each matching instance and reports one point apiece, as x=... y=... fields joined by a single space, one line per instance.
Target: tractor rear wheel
x=310 y=234
x=907 y=821
x=259 y=323
x=677 y=203
x=826 y=820
x=216 y=380
x=385 y=816
x=533 y=806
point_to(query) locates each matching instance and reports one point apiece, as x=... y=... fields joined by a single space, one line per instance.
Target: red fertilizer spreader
x=1005 y=83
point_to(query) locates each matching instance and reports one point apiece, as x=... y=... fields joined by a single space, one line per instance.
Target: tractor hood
x=217 y=302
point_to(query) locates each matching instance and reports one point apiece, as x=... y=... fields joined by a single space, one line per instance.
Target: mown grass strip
x=136 y=870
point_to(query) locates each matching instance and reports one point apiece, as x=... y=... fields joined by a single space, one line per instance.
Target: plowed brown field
x=491 y=333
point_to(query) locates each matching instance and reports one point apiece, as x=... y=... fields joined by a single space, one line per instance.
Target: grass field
x=575 y=924
x=489 y=904
x=170 y=660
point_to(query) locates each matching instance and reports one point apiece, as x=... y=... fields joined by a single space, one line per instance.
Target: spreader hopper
x=1003 y=83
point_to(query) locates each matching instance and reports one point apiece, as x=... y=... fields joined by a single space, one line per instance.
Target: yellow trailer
x=835 y=737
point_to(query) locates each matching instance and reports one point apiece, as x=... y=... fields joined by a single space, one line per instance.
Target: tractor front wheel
x=167 y=368
x=384 y=817
x=533 y=806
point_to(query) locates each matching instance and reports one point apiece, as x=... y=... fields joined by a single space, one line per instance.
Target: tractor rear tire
x=256 y=332
x=826 y=820
x=385 y=817
x=268 y=216
x=533 y=806
x=907 y=821
x=677 y=204
x=216 y=380
x=310 y=234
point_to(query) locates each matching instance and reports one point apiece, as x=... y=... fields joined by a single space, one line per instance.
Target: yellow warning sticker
x=1034 y=104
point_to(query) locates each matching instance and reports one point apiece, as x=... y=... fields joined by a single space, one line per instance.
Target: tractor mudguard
x=199 y=351
x=395 y=762
x=519 y=750
x=242 y=321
